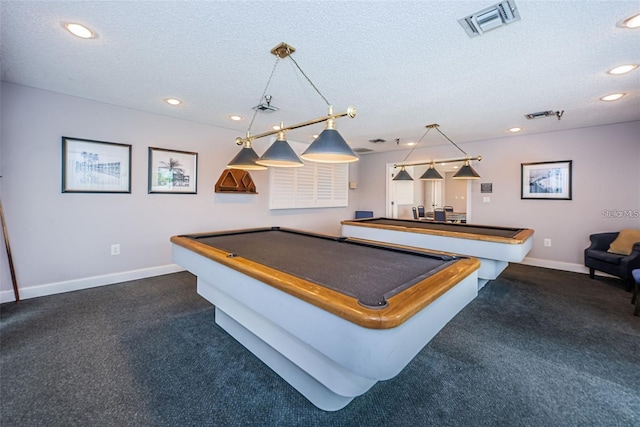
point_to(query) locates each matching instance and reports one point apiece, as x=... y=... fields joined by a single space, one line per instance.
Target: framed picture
x=172 y=171
x=546 y=180
x=95 y=166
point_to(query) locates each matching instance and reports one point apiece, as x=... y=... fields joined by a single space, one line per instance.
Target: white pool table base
x=328 y=359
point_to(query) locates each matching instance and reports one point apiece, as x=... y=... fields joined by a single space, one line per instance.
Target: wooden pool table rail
x=518 y=239
x=400 y=306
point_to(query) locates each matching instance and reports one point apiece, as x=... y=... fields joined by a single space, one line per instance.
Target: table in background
x=494 y=246
x=451 y=216
x=332 y=316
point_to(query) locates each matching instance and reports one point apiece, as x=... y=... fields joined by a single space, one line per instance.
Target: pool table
x=494 y=246
x=330 y=315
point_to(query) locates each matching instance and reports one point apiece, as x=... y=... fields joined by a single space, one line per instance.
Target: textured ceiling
x=403 y=65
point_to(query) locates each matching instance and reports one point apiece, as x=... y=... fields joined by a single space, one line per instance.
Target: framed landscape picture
x=172 y=171
x=95 y=166
x=546 y=180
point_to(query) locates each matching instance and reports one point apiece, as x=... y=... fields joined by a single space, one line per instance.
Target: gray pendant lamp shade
x=280 y=154
x=466 y=172
x=245 y=160
x=431 y=174
x=403 y=175
x=330 y=147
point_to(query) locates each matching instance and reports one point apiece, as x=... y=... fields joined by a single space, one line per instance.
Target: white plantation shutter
x=281 y=182
x=304 y=185
x=315 y=185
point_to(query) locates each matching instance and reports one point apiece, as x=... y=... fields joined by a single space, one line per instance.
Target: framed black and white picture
x=172 y=171
x=95 y=166
x=546 y=180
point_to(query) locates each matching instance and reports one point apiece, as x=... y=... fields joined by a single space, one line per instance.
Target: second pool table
x=494 y=246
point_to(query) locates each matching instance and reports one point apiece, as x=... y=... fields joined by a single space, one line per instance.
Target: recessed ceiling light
x=623 y=69
x=411 y=144
x=633 y=22
x=235 y=117
x=173 y=101
x=515 y=129
x=275 y=127
x=79 y=30
x=612 y=97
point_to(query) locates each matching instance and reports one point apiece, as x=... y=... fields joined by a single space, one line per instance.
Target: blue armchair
x=596 y=257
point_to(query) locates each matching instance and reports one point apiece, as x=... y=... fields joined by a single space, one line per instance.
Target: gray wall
x=62 y=242
x=606 y=177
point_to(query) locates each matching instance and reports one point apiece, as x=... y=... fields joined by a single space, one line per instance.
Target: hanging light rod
x=351 y=112
x=436 y=127
x=465 y=172
x=478 y=158
x=328 y=147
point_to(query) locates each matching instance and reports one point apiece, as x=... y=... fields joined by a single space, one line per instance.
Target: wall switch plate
x=115 y=249
x=547 y=243
x=486 y=199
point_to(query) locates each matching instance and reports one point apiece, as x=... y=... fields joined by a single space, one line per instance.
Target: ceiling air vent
x=542 y=114
x=362 y=150
x=377 y=141
x=490 y=18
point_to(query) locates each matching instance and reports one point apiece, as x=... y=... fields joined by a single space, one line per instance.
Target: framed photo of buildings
x=172 y=171
x=546 y=180
x=95 y=166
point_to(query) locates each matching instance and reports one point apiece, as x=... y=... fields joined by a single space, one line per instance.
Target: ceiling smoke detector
x=542 y=114
x=490 y=18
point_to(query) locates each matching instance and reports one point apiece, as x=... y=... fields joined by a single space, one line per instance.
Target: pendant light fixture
x=246 y=159
x=466 y=172
x=431 y=174
x=329 y=147
x=280 y=154
x=403 y=175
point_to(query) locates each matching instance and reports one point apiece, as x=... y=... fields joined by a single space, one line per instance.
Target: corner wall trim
x=89 y=282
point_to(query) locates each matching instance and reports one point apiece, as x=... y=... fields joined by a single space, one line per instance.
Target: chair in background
x=439 y=215
x=415 y=212
x=599 y=256
x=421 y=212
x=448 y=208
x=364 y=214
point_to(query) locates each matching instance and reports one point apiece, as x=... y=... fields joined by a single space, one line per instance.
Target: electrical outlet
x=115 y=249
x=547 y=243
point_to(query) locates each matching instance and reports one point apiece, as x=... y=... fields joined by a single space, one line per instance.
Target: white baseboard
x=564 y=266
x=109 y=279
x=88 y=282
x=556 y=265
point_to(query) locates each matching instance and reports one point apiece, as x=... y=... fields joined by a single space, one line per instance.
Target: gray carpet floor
x=537 y=347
